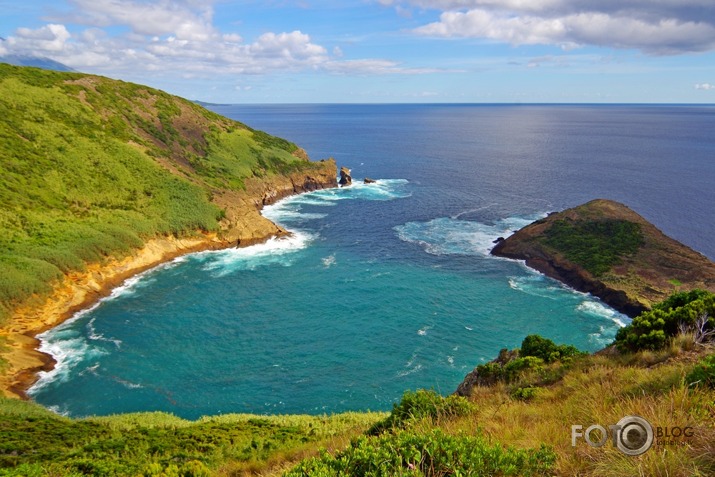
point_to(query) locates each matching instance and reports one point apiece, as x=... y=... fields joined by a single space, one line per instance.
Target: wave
x=411 y=367
x=537 y=285
x=94 y=336
x=380 y=190
x=329 y=261
x=276 y=251
x=606 y=332
x=453 y=236
x=69 y=348
x=291 y=208
x=599 y=310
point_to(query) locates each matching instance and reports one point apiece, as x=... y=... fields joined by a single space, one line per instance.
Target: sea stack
x=345 y=177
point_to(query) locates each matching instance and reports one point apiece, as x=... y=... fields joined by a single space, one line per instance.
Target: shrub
x=595 y=245
x=428 y=454
x=703 y=374
x=651 y=330
x=422 y=404
x=547 y=350
x=525 y=394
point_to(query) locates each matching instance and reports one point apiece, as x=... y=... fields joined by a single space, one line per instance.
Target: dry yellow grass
x=602 y=390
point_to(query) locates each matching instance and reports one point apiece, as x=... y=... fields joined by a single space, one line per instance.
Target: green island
x=606 y=249
x=94 y=171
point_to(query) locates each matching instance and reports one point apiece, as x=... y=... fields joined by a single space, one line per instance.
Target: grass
x=38 y=442
x=602 y=390
x=496 y=431
x=92 y=167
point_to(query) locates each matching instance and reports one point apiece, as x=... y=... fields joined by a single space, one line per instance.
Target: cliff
x=101 y=179
x=606 y=249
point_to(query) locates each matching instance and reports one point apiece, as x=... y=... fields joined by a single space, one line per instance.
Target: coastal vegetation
x=91 y=168
x=517 y=422
x=604 y=248
x=596 y=245
x=37 y=442
x=682 y=313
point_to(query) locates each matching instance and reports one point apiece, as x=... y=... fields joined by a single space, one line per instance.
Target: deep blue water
x=386 y=287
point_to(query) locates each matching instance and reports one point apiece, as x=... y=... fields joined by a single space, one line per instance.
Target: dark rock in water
x=369 y=181
x=345 y=178
x=500 y=239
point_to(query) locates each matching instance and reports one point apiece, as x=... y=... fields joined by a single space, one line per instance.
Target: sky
x=381 y=51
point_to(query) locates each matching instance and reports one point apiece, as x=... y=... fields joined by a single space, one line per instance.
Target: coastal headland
x=105 y=179
x=606 y=249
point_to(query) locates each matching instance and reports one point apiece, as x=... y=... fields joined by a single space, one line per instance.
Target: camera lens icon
x=635 y=435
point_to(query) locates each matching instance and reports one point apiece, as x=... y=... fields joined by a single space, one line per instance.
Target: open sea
x=385 y=287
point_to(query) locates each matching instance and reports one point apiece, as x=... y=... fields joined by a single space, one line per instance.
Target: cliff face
x=606 y=249
x=244 y=225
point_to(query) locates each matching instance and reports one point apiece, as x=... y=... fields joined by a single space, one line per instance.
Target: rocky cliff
x=606 y=249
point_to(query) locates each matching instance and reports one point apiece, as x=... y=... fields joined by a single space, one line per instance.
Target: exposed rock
x=345 y=177
x=499 y=239
x=474 y=379
x=243 y=220
x=659 y=266
x=369 y=181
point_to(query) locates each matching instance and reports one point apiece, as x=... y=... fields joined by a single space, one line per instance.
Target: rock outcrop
x=654 y=269
x=367 y=180
x=244 y=225
x=475 y=379
x=345 y=177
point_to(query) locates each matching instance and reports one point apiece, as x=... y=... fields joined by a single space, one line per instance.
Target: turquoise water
x=381 y=288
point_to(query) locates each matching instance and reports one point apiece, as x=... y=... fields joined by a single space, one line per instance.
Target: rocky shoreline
x=243 y=226
x=659 y=266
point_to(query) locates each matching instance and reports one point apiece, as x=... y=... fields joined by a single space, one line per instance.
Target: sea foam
x=69 y=348
x=276 y=251
x=452 y=236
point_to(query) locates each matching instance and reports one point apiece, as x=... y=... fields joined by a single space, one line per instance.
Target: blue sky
x=381 y=51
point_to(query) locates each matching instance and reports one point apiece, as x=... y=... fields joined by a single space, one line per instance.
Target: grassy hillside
x=516 y=422
x=91 y=167
x=604 y=248
x=512 y=417
x=36 y=442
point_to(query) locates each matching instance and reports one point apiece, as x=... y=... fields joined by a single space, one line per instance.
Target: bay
x=385 y=287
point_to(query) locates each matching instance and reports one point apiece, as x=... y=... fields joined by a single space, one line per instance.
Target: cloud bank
x=656 y=27
x=177 y=36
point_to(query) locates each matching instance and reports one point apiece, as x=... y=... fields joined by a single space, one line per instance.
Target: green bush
x=547 y=350
x=428 y=454
x=525 y=394
x=595 y=245
x=703 y=374
x=652 y=330
x=422 y=404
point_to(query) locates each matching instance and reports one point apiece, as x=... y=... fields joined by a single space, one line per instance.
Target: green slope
x=517 y=422
x=91 y=167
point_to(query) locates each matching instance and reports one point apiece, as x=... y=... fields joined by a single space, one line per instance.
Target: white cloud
x=705 y=86
x=176 y=37
x=185 y=20
x=49 y=38
x=653 y=26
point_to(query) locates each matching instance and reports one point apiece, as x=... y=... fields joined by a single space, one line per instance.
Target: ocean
x=389 y=286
